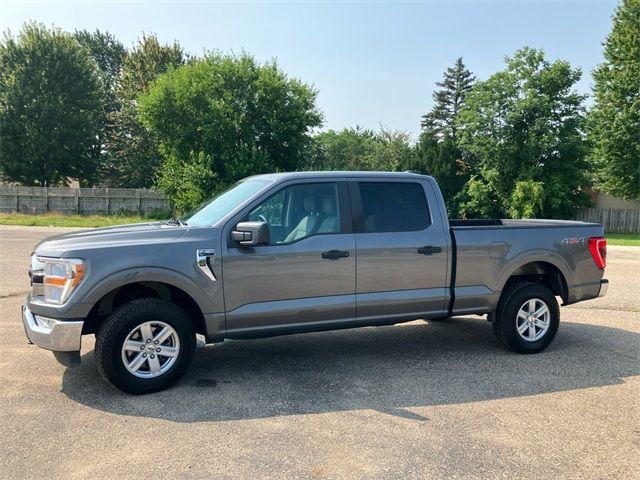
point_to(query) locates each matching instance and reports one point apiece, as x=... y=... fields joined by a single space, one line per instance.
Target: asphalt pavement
x=418 y=400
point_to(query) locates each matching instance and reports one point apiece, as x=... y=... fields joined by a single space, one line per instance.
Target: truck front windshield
x=213 y=210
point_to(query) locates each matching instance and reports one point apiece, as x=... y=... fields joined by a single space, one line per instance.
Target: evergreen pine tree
x=440 y=121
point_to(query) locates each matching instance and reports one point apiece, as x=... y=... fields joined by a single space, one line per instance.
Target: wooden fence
x=614 y=220
x=82 y=201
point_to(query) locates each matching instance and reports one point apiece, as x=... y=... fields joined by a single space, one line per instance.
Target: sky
x=374 y=63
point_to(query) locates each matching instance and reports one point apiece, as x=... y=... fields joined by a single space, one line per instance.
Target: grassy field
x=626 y=239
x=59 y=220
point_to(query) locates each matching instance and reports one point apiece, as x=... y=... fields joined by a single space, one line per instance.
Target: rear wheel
x=145 y=346
x=527 y=317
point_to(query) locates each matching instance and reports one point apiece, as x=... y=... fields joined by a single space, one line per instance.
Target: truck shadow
x=388 y=369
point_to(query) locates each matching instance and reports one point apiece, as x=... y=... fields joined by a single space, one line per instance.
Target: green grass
x=61 y=220
x=625 y=239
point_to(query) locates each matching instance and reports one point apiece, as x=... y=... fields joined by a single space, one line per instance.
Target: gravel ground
x=419 y=400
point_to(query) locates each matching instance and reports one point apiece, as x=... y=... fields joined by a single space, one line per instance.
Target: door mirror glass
x=249 y=234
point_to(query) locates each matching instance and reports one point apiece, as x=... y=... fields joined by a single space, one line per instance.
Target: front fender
x=151 y=274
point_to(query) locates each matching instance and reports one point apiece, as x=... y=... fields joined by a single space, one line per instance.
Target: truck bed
x=507 y=223
x=487 y=252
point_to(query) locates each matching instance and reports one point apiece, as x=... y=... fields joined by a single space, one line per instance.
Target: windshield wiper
x=175 y=221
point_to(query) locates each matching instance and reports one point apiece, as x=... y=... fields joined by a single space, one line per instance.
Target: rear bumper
x=52 y=334
x=587 y=291
x=604 y=286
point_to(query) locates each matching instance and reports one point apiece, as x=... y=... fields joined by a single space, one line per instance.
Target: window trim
x=344 y=209
x=358 y=207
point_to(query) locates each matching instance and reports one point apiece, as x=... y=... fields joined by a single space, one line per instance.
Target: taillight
x=598 y=249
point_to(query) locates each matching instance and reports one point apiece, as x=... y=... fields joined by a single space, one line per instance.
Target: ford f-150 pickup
x=300 y=252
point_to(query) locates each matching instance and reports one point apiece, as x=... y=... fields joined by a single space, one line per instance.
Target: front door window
x=299 y=211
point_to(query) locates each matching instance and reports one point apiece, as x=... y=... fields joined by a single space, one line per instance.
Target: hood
x=157 y=233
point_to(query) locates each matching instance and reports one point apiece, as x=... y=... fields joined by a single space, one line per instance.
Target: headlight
x=61 y=277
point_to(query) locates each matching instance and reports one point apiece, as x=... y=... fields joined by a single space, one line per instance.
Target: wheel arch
x=113 y=294
x=548 y=271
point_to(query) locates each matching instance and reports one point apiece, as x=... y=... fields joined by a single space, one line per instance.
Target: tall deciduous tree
x=109 y=55
x=614 y=122
x=448 y=101
x=228 y=116
x=132 y=150
x=524 y=127
x=50 y=97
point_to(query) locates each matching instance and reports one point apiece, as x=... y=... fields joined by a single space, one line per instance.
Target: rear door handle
x=332 y=254
x=429 y=250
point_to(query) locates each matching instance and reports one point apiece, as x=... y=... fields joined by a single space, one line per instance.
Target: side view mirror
x=249 y=234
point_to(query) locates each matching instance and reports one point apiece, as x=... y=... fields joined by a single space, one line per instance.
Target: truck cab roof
x=340 y=174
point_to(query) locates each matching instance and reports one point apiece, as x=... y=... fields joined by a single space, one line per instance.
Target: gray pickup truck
x=300 y=252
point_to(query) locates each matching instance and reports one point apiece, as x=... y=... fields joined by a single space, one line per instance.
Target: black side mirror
x=249 y=234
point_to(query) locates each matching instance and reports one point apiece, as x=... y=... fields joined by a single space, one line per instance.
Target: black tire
x=121 y=322
x=505 y=318
x=506 y=294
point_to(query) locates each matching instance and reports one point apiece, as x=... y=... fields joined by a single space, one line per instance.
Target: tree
x=449 y=99
x=131 y=149
x=614 y=121
x=346 y=149
x=441 y=158
x=437 y=152
x=109 y=55
x=50 y=97
x=392 y=152
x=229 y=116
x=525 y=124
x=359 y=149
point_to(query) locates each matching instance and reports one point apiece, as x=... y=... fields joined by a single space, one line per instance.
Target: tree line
x=521 y=143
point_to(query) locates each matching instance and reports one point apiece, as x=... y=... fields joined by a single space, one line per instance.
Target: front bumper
x=604 y=286
x=63 y=337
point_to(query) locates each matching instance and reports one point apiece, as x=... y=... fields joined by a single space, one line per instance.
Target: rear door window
x=393 y=207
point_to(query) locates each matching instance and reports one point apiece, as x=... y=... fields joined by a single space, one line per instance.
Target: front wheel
x=527 y=317
x=145 y=346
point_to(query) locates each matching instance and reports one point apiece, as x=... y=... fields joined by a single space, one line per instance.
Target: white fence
x=82 y=201
x=614 y=220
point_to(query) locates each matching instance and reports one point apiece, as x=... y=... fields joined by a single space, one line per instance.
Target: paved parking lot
x=420 y=400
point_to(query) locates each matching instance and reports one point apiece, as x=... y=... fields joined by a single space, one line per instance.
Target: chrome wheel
x=533 y=320
x=150 y=349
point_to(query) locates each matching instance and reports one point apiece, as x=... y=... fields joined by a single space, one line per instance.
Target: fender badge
x=202 y=262
x=572 y=241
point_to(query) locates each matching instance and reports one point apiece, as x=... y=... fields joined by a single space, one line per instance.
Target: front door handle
x=332 y=254
x=429 y=250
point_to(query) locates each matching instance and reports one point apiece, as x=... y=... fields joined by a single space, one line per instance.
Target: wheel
x=145 y=346
x=527 y=317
